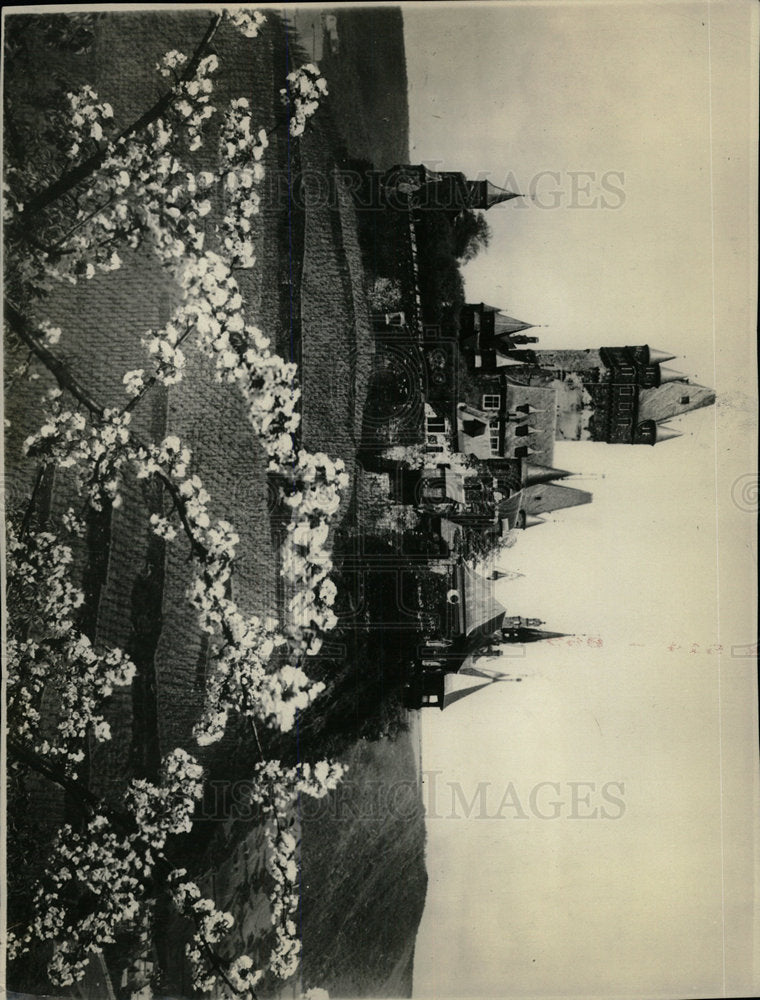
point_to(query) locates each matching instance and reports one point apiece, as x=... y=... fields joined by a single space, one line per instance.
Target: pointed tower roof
x=458 y=686
x=542 y=498
x=503 y=574
x=504 y=324
x=533 y=473
x=536 y=635
x=484 y=194
x=671 y=375
x=504 y=360
x=657 y=357
x=531 y=521
x=666 y=433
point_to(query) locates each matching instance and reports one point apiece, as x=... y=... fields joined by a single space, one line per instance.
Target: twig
x=73 y=177
x=69 y=382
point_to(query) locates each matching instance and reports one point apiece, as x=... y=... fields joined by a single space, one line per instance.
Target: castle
x=495 y=403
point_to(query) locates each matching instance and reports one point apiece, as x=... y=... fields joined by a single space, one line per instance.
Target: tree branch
x=66 y=380
x=86 y=799
x=83 y=170
x=55 y=366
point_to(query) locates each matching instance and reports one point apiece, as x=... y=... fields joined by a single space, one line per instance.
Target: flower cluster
x=243 y=679
x=276 y=791
x=93 y=886
x=163 y=346
x=211 y=926
x=50 y=334
x=86 y=120
x=134 y=381
x=141 y=187
x=95 y=883
x=246 y=20
x=171 y=61
x=212 y=301
x=97 y=452
x=46 y=651
x=240 y=154
x=304 y=89
x=82 y=679
x=38 y=581
x=313 y=498
x=167 y=808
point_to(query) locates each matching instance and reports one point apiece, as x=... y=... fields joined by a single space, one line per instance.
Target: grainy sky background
x=660 y=98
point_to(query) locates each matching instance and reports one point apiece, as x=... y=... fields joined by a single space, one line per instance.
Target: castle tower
x=517 y=629
x=488 y=334
x=417 y=186
x=620 y=395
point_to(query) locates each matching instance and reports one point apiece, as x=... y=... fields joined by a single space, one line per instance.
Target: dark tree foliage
x=471 y=234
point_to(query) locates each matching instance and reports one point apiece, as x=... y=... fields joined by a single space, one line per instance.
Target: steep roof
x=672 y=398
x=503 y=324
x=545 y=497
x=482 y=614
x=459 y=686
x=542 y=421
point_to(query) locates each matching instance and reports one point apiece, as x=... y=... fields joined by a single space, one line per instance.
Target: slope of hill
x=366 y=73
x=364 y=877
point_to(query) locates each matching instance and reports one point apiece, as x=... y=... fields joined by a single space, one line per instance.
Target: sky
x=633 y=128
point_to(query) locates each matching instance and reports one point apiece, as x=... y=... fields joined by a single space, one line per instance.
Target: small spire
x=504 y=360
x=484 y=194
x=504 y=324
x=671 y=375
x=531 y=520
x=666 y=433
x=534 y=474
x=657 y=357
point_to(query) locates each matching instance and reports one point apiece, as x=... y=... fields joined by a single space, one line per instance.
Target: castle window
x=494 y=424
x=434 y=448
x=494 y=446
x=626 y=390
x=435 y=425
x=684 y=400
x=491 y=401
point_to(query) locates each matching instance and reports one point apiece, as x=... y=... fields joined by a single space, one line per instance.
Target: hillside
x=364 y=876
x=360 y=51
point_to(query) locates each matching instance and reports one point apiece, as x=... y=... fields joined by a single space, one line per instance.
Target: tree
x=471 y=234
x=182 y=183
